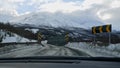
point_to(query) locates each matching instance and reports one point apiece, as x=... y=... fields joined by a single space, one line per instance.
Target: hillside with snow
x=6 y=37
x=52 y=24
x=57 y=19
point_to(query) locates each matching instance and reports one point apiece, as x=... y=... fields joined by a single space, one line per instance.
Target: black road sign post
x=102 y=29
x=39 y=36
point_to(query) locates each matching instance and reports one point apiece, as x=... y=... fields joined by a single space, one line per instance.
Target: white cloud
x=88 y=3
x=72 y=6
x=115 y=17
x=10 y=6
x=115 y=4
x=103 y=16
x=8 y=12
x=39 y=2
x=109 y=13
x=25 y=13
x=15 y=1
x=59 y=6
x=7 y=4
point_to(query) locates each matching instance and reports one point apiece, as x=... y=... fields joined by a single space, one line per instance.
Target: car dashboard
x=60 y=62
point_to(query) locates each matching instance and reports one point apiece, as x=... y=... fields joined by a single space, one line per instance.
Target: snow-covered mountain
x=57 y=19
x=57 y=24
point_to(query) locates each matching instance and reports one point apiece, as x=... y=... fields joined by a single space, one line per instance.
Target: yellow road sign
x=66 y=37
x=94 y=30
x=108 y=28
x=100 y=29
x=39 y=36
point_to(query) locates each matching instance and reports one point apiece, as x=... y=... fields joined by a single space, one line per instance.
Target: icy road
x=38 y=50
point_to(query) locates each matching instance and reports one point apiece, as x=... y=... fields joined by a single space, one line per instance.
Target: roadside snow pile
x=16 y=38
x=33 y=30
x=6 y=37
x=44 y=42
x=112 y=50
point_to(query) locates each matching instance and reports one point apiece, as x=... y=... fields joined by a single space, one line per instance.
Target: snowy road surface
x=38 y=50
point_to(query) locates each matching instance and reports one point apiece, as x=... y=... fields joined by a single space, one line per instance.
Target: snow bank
x=16 y=39
x=112 y=50
x=44 y=42
x=13 y=38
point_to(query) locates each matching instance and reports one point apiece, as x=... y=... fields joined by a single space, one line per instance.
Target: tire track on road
x=79 y=53
x=48 y=50
x=20 y=52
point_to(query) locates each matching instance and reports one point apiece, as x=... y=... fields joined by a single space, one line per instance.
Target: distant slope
x=55 y=34
x=47 y=32
x=57 y=20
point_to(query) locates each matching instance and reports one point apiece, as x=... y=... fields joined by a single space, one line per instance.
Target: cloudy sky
x=106 y=10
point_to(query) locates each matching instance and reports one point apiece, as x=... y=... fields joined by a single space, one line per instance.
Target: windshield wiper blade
x=56 y=59
x=38 y=59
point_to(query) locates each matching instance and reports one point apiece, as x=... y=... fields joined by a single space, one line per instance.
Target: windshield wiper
x=56 y=59
x=40 y=59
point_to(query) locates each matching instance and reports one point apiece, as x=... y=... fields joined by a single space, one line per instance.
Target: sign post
x=102 y=29
x=67 y=37
x=39 y=37
x=108 y=29
x=94 y=32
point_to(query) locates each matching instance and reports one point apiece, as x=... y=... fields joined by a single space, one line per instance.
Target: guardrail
x=14 y=43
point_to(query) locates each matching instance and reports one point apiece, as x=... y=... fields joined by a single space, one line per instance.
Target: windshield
x=79 y=28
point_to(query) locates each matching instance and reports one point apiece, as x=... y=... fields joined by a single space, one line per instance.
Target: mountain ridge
x=56 y=20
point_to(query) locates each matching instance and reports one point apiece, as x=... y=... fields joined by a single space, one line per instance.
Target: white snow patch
x=112 y=50
x=44 y=42
x=14 y=38
x=33 y=30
